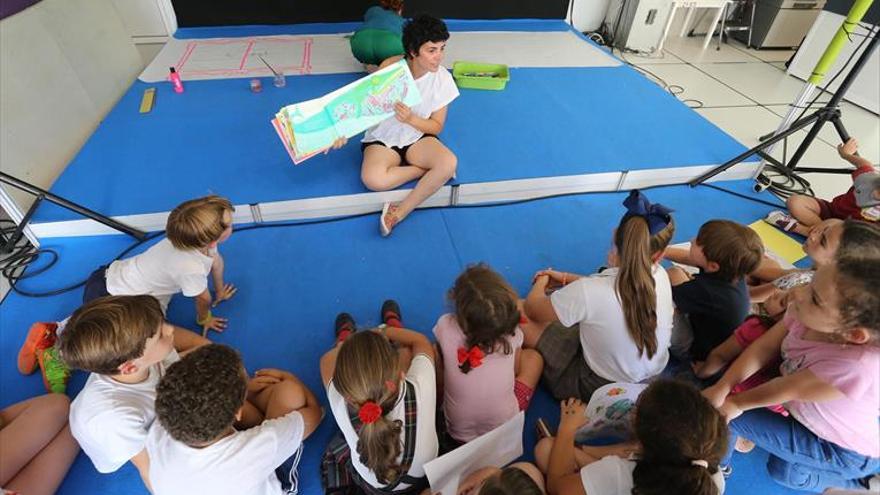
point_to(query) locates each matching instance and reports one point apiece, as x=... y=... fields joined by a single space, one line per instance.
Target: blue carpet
x=216 y=138
x=294 y=280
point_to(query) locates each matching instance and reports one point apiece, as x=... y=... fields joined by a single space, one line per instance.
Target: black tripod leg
x=824 y=116
x=9 y=245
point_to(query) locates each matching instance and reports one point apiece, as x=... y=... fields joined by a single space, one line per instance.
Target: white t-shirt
x=110 y=419
x=161 y=271
x=438 y=89
x=243 y=462
x=422 y=376
x=614 y=476
x=608 y=348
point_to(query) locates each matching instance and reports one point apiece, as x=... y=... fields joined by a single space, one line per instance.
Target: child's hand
x=276 y=374
x=403 y=112
x=339 y=143
x=730 y=410
x=260 y=382
x=554 y=278
x=224 y=293
x=848 y=149
x=716 y=394
x=572 y=415
x=214 y=323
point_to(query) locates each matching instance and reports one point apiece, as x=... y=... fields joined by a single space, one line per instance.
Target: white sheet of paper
x=499 y=447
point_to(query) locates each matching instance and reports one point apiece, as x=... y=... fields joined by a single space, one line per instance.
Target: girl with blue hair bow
x=613 y=326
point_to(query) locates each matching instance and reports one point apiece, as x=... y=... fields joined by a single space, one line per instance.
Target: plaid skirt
x=566 y=373
x=339 y=476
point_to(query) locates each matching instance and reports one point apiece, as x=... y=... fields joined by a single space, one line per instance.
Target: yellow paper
x=778 y=242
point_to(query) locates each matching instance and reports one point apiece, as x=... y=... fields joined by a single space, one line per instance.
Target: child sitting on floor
x=820 y=245
x=487 y=377
x=613 y=326
x=830 y=379
x=385 y=412
x=681 y=436
x=746 y=334
x=126 y=344
x=860 y=202
x=712 y=303
x=179 y=263
x=193 y=447
x=520 y=478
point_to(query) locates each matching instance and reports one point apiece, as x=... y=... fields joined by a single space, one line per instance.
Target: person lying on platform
x=380 y=36
x=406 y=148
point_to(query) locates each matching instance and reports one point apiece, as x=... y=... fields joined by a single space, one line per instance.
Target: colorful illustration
x=312 y=126
x=610 y=413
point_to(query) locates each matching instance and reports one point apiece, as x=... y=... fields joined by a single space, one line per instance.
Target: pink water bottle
x=175 y=81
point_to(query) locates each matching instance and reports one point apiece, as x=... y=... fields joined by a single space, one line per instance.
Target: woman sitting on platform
x=407 y=148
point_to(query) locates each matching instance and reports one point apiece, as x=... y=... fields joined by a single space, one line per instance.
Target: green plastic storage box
x=475 y=75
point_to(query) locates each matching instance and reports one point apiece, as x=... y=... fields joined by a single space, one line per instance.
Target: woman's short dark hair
x=420 y=30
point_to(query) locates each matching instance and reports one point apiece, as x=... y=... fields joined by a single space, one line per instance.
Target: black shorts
x=96 y=285
x=401 y=150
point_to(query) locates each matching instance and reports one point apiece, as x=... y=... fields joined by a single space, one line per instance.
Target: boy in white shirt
x=194 y=448
x=179 y=263
x=125 y=342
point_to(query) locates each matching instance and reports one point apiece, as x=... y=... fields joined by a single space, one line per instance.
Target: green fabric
x=372 y=46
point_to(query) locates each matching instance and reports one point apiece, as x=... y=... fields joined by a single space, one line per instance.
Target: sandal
x=388 y=210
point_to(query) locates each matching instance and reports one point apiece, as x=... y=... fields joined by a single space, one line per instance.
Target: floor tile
x=691 y=50
x=699 y=86
x=759 y=81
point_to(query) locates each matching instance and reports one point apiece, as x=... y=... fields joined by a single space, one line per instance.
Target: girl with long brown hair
x=613 y=326
x=383 y=399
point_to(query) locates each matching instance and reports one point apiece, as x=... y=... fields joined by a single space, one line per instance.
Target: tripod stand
x=7 y=245
x=830 y=112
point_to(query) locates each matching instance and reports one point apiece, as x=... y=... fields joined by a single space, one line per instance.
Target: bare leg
x=280 y=399
x=431 y=155
x=250 y=416
x=381 y=170
x=806 y=211
x=532 y=332
x=531 y=364
x=36 y=446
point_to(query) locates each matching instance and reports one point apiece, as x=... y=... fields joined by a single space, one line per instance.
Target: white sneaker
x=781 y=220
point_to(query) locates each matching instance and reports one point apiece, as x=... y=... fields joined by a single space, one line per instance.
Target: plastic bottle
x=175 y=81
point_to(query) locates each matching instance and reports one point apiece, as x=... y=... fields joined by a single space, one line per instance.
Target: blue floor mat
x=216 y=138
x=294 y=280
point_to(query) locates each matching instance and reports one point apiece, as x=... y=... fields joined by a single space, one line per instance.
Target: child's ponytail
x=683 y=438
x=486 y=311
x=366 y=376
x=635 y=246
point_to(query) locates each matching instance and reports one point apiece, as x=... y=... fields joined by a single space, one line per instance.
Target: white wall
x=63 y=65
x=865 y=90
x=588 y=14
